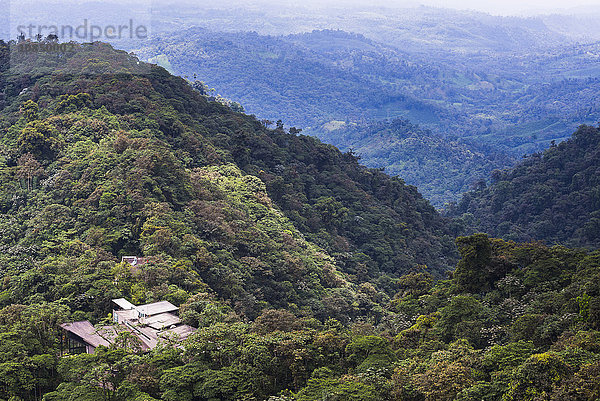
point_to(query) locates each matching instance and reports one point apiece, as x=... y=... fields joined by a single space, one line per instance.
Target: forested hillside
x=490 y=108
x=441 y=169
x=307 y=275
x=302 y=86
x=552 y=196
x=107 y=154
x=499 y=99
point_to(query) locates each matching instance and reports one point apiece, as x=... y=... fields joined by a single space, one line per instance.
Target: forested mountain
x=440 y=168
x=506 y=101
x=302 y=270
x=296 y=83
x=552 y=196
x=494 y=84
x=186 y=155
x=417 y=28
x=499 y=105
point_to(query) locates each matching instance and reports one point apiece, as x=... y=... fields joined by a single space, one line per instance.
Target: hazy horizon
x=496 y=7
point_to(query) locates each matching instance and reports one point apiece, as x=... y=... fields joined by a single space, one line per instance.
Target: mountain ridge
x=374 y=226
x=302 y=270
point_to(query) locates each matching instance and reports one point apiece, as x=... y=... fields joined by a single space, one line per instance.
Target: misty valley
x=278 y=201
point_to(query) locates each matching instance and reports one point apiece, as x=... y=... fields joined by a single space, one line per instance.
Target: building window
x=75 y=347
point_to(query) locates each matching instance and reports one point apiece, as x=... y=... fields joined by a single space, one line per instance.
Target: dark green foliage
x=237 y=222
x=284 y=252
x=537 y=377
x=477 y=271
x=554 y=196
x=303 y=360
x=29 y=348
x=143 y=164
x=338 y=389
x=442 y=169
x=70 y=103
x=40 y=139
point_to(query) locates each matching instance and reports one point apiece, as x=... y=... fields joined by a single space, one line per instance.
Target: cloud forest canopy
x=552 y=196
x=302 y=270
x=441 y=169
x=143 y=164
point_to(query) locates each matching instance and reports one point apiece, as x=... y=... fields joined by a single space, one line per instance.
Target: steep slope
x=105 y=157
x=553 y=196
x=441 y=169
x=281 y=250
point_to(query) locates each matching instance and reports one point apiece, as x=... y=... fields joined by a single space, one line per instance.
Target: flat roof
x=123 y=303
x=183 y=331
x=157 y=308
x=161 y=321
x=127 y=314
x=147 y=335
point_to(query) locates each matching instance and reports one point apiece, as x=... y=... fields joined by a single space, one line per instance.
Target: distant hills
x=515 y=103
x=496 y=85
x=302 y=86
x=415 y=28
x=442 y=169
x=306 y=274
x=498 y=107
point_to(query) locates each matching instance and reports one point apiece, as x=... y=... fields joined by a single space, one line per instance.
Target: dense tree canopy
x=307 y=275
x=552 y=196
x=440 y=168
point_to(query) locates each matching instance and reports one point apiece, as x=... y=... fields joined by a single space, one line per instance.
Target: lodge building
x=151 y=323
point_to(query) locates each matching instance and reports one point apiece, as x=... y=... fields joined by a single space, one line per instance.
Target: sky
x=499 y=7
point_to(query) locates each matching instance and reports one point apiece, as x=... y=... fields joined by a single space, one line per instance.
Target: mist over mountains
x=310 y=194
x=502 y=85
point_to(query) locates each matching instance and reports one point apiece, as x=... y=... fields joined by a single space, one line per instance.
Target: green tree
x=28 y=168
x=30 y=110
x=40 y=139
x=478 y=270
x=537 y=377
